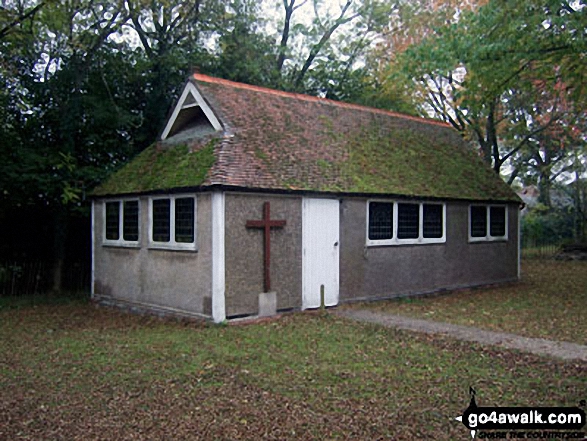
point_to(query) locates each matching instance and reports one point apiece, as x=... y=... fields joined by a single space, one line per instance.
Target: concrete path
x=540 y=346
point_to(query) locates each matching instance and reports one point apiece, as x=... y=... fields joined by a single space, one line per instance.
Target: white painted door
x=320 y=237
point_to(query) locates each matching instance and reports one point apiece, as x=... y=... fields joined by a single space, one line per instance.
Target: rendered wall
x=368 y=272
x=174 y=280
x=181 y=280
x=244 y=253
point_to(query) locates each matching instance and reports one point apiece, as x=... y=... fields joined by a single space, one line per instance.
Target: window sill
x=173 y=247
x=487 y=239
x=112 y=244
x=400 y=242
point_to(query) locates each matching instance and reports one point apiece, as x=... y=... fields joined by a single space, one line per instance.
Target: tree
x=173 y=36
x=245 y=52
x=558 y=137
x=54 y=121
x=336 y=39
x=412 y=21
x=472 y=73
x=86 y=84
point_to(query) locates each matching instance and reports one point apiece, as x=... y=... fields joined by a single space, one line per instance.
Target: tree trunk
x=579 y=232
x=544 y=186
x=315 y=50
x=289 y=8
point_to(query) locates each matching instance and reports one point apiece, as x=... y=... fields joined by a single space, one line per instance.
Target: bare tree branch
x=527 y=138
x=341 y=20
x=139 y=30
x=289 y=10
x=18 y=20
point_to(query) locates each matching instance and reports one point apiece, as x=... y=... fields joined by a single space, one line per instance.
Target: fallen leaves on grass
x=549 y=302
x=102 y=374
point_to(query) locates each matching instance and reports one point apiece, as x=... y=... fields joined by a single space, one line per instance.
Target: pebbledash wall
x=155 y=279
x=371 y=272
x=181 y=281
x=244 y=253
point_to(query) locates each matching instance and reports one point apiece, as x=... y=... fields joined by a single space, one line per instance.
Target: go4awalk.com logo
x=523 y=422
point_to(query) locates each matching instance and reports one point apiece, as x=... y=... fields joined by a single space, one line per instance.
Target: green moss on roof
x=261 y=155
x=161 y=169
x=320 y=145
x=407 y=163
x=280 y=141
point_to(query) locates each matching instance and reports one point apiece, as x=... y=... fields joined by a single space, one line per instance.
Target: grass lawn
x=550 y=302
x=72 y=371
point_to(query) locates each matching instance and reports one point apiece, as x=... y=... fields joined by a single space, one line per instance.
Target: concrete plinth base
x=267 y=304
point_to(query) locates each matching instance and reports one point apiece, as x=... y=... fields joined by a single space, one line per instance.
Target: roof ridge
x=299 y=96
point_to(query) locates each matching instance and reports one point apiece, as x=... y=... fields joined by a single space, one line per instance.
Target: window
x=403 y=223
x=161 y=220
x=497 y=221
x=380 y=220
x=173 y=222
x=121 y=222
x=433 y=222
x=478 y=221
x=184 y=220
x=487 y=222
x=113 y=220
x=130 y=221
x=408 y=221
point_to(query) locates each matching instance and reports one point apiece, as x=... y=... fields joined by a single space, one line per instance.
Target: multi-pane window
x=478 y=221
x=121 y=222
x=184 y=220
x=497 y=221
x=396 y=223
x=173 y=222
x=487 y=222
x=161 y=220
x=408 y=221
x=433 y=222
x=380 y=220
x=130 y=221
x=113 y=220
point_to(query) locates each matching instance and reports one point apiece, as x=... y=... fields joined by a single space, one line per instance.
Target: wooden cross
x=266 y=224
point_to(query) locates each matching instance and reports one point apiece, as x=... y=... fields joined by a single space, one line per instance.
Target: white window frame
x=120 y=242
x=172 y=244
x=488 y=237
x=421 y=240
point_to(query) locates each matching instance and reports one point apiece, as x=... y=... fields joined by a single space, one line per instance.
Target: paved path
x=540 y=346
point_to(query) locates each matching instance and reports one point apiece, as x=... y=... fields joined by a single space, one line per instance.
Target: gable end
x=191 y=116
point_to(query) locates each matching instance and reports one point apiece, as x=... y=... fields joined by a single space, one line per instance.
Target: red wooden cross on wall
x=266 y=224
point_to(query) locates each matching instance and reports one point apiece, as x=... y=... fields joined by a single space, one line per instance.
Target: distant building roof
x=237 y=135
x=530 y=195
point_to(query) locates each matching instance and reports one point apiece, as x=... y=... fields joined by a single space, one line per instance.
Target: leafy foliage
x=487 y=73
x=246 y=53
x=546 y=225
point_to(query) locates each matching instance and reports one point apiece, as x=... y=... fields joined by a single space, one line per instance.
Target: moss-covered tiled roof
x=281 y=141
x=161 y=168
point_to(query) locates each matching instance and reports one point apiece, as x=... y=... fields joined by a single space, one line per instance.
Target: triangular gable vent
x=191 y=116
